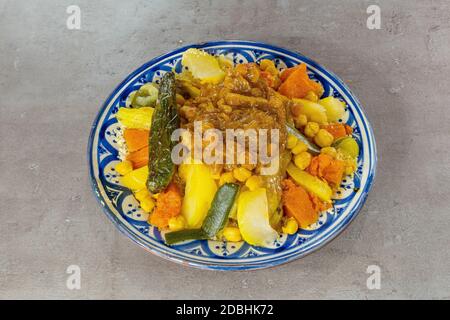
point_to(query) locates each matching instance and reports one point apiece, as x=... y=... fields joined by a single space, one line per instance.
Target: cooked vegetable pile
x=234 y=201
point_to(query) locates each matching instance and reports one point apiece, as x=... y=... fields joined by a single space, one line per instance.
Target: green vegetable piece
x=311 y=146
x=164 y=121
x=215 y=220
x=146 y=96
x=183 y=235
x=348 y=145
x=220 y=209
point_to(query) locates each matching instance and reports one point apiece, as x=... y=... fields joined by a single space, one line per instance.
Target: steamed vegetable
x=310 y=183
x=139 y=158
x=135 y=139
x=199 y=193
x=334 y=107
x=146 y=96
x=220 y=209
x=336 y=129
x=203 y=66
x=135 y=180
x=253 y=218
x=215 y=220
x=297 y=204
x=348 y=145
x=313 y=111
x=135 y=118
x=168 y=205
x=165 y=120
x=297 y=84
x=328 y=168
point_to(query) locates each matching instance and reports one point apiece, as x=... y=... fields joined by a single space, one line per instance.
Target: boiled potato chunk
x=199 y=193
x=203 y=66
x=335 y=108
x=313 y=111
x=253 y=218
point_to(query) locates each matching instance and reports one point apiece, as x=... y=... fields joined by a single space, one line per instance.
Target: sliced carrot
x=298 y=84
x=287 y=72
x=324 y=166
x=297 y=204
x=139 y=158
x=319 y=205
x=135 y=139
x=338 y=130
x=168 y=205
x=348 y=129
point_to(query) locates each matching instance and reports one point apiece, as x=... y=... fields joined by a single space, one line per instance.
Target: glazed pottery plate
x=123 y=210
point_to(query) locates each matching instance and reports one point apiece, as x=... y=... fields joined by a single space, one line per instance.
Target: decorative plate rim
x=225 y=265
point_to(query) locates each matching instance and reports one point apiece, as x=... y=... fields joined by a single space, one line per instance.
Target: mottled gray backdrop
x=53 y=81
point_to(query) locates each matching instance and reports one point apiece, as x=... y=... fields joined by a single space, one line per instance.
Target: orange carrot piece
x=287 y=72
x=135 y=139
x=297 y=204
x=324 y=166
x=168 y=205
x=348 y=129
x=336 y=129
x=139 y=158
x=298 y=84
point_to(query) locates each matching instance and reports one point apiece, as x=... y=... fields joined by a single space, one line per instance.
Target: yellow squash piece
x=136 y=179
x=311 y=183
x=203 y=66
x=199 y=193
x=253 y=218
x=140 y=118
x=313 y=111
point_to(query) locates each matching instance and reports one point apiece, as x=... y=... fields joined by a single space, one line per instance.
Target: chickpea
x=323 y=138
x=300 y=121
x=311 y=129
x=303 y=160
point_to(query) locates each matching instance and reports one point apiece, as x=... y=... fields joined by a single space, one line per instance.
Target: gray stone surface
x=53 y=81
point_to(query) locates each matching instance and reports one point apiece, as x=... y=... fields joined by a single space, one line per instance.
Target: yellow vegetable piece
x=323 y=138
x=124 y=167
x=312 y=96
x=136 y=179
x=253 y=218
x=335 y=108
x=147 y=204
x=300 y=121
x=232 y=234
x=291 y=226
x=254 y=182
x=203 y=66
x=313 y=111
x=140 y=118
x=311 y=129
x=291 y=141
x=266 y=63
x=177 y=223
x=299 y=147
x=142 y=194
x=329 y=151
x=311 y=183
x=302 y=160
x=226 y=177
x=199 y=193
x=241 y=174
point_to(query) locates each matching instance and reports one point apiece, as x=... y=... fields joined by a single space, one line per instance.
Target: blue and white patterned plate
x=123 y=210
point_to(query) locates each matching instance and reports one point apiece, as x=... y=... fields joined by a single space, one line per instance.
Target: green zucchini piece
x=183 y=235
x=164 y=121
x=215 y=219
x=220 y=209
x=311 y=146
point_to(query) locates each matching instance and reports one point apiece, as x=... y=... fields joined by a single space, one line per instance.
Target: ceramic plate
x=123 y=210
